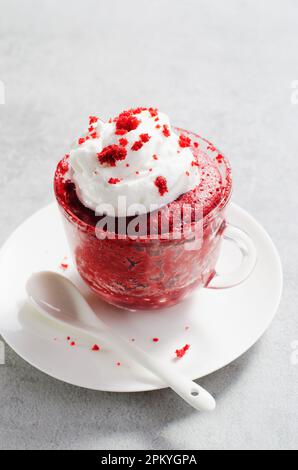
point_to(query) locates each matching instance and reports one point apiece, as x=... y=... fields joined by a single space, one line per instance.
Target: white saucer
x=219 y=325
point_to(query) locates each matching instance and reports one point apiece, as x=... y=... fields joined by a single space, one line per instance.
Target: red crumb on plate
x=64 y=266
x=95 y=347
x=181 y=352
x=155 y=340
x=114 y=180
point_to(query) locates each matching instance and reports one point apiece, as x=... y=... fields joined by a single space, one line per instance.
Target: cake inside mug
x=143 y=204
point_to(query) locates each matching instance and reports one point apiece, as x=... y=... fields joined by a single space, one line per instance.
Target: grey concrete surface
x=221 y=68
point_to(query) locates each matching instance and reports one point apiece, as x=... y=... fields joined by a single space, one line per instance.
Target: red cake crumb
x=155 y=157
x=187 y=173
x=137 y=145
x=155 y=340
x=157 y=126
x=111 y=154
x=211 y=147
x=196 y=144
x=138 y=110
x=65 y=164
x=184 y=141
x=92 y=119
x=121 y=132
x=68 y=338
x=194 y=163
x=81 y=140
x=181 y=352
x=118 y=364
x=93 y=135
x=127 y=121
x=166 y=131
x=64 y=266
x=114 y=180
x=153 y=112
x=161 y=184
x=145 y=138
x=95 y=347
x=123 y=142
x=72 y=343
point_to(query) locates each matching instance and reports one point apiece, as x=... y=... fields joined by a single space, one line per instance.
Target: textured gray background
x=221 y=68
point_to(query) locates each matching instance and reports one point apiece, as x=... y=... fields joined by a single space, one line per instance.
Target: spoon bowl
x=58 y=298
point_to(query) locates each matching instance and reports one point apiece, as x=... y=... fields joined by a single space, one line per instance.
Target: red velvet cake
x=168 y=256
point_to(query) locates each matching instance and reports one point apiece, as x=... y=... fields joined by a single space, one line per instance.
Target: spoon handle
x=192 y=393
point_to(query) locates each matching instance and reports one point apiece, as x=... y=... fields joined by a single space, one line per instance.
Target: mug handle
x=249 y=257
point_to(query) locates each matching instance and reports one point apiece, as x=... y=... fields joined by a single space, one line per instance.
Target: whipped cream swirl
x=136 y=156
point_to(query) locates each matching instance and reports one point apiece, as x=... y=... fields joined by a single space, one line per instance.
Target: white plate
x=219 y=325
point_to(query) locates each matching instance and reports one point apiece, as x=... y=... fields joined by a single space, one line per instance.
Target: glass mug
x=155 y=272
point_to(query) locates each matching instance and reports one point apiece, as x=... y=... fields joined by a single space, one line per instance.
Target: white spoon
x=57 y=297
